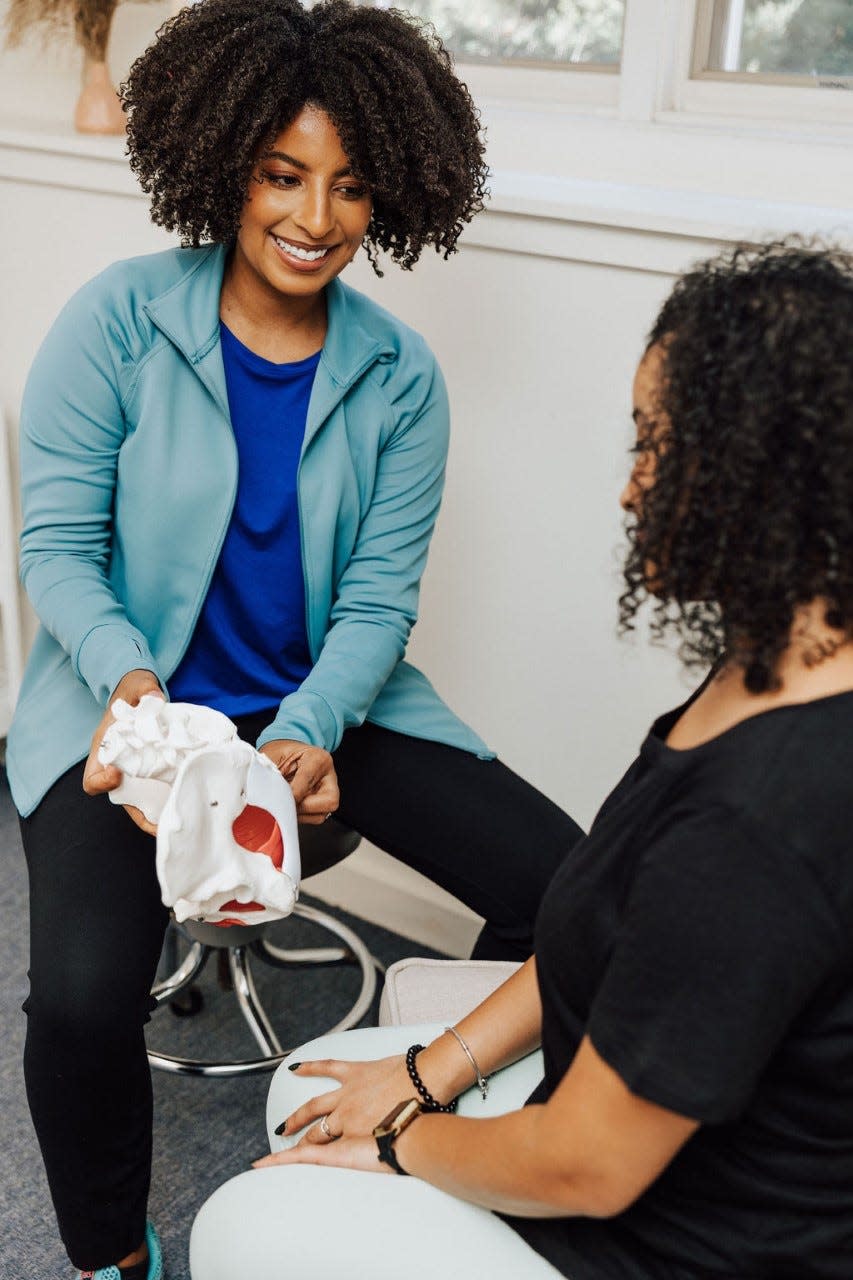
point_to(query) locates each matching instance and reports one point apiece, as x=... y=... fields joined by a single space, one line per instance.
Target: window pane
x=573 y=31
x=783 y=37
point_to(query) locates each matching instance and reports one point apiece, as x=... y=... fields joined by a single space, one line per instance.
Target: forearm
x=353 y=666
x=72 y=432
x=79 y=608
x=592 y=1149
x=498 y=1163
x=505 y=1027
x=501 y=1163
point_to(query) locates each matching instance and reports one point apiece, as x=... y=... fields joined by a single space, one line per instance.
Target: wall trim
x=646 y=228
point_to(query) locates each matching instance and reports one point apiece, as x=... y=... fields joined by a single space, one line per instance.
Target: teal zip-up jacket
x=129 y=475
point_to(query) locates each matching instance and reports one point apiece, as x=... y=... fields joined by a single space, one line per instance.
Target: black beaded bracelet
x=429 y=1102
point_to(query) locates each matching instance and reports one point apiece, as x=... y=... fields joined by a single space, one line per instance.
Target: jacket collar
x=188 y=315
x=348 y=352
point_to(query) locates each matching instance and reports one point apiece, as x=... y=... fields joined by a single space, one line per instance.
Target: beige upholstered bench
x=418 y=990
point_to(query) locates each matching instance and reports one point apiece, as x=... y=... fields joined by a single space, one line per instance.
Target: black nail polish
x=294 y=1066
x=280 y=1128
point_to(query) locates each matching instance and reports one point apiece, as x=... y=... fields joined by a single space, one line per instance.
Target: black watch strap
x=395 y=1123
x=387 y=1154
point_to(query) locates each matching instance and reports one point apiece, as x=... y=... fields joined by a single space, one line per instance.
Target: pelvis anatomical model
x=227 y=842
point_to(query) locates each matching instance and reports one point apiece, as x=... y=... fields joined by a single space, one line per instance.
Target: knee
x=90 y=1003
x=245 y=1229
x=305 y=1222
x=216 y=1225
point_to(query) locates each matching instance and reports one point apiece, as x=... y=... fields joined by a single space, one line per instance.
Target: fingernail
x=294 y=1066
x=280 y=1128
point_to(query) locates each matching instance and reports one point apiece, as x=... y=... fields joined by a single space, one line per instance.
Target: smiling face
x=305 y=214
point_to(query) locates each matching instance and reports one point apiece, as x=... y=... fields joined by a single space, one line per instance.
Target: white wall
x=538 y=323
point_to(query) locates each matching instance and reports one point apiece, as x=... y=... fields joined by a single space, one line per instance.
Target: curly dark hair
x=751 y=511
x=225 y=77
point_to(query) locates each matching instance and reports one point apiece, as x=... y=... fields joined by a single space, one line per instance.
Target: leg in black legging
x=96 y=929
x=472 y=826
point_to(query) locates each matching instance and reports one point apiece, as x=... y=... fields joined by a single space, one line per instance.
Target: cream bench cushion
x=419 y=990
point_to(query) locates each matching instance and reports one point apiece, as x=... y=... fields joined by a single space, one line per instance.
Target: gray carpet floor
x=205 y=1130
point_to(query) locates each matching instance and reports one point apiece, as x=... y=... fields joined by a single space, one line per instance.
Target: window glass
x=539 y=31
x=782 y=37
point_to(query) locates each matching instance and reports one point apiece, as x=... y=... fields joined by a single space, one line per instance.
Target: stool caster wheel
x=187 y=1003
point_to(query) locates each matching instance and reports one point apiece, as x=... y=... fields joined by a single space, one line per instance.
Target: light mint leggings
x=308 y=1223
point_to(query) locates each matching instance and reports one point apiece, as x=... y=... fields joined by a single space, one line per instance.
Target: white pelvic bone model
x=186 y=769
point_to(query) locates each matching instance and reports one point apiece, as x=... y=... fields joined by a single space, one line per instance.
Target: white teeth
x=307 y=255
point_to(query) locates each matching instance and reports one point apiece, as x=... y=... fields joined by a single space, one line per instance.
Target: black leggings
x=97 y=926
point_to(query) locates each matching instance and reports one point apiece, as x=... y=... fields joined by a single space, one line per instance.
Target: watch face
x=398 y=1119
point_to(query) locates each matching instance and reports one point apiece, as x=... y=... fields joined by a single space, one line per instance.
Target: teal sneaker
x=155 y=1260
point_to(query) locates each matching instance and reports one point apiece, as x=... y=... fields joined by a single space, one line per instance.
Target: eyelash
x=287 y=181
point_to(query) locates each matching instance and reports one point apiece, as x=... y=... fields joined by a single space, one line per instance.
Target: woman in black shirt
x=692 y=985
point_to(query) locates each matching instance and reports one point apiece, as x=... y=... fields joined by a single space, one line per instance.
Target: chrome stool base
x=353 y=951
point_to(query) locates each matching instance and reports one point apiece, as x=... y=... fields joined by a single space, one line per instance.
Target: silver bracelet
x=482 y=1081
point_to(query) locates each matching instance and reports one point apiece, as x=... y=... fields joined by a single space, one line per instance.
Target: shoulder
x=115 y=298
x=792 y=758
x=782 y=779
x=405 y=353
x=126 y=286
x=397 y=361
x=107 y=317
x=382 y=325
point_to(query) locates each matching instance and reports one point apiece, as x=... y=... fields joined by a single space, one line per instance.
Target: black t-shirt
x=702 y=935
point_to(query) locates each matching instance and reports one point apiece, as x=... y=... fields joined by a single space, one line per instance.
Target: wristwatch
x=389 y=1129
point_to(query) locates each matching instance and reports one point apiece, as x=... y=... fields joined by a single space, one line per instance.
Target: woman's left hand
x=343 y=1153
x=311 y=774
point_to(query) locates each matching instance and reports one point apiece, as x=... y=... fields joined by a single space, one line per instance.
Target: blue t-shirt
x=250 y=648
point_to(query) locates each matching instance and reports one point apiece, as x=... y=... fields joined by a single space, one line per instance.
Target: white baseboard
x=377 y=888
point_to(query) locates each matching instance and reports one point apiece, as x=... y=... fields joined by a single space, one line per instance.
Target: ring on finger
x=324 y=1125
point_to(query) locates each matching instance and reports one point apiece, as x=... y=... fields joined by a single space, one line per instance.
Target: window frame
x=543 y=68
x=664 y=131
x=657 y=81
x=790 y=101
x=561 y=85
x=703 y=40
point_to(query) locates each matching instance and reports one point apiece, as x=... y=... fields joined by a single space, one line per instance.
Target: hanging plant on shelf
x=98 y=109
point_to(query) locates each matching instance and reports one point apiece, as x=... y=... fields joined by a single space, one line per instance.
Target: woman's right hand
x=98 y=778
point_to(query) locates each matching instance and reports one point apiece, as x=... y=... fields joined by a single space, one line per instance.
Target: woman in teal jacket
x=232 y=466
